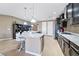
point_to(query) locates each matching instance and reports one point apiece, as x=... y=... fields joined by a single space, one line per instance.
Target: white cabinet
x=34 y=43
x=33 y=46
x=51 y=28
x=44 y=30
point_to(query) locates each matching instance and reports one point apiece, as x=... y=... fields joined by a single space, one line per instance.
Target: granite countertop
x=71 y=37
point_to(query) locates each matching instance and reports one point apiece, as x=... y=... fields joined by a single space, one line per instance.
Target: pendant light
x=25 y=12
x=25 y=23
x=33 y=19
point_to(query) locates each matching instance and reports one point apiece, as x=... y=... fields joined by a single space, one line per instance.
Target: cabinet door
x=60 y=41
x=73 y=52
x=62 y=44
x=66 y=49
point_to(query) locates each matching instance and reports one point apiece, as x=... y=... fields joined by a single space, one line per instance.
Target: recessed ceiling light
x=54 y=12
x=8 y=29
x=32 y=25
x=24 y=17
x=25 y=23
x=33 y=21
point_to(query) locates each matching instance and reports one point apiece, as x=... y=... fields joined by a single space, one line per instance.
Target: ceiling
x=40 y=11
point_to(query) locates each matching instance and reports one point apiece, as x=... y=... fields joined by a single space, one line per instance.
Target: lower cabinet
x=64 y=45
x=60 y=41
x=68 y=48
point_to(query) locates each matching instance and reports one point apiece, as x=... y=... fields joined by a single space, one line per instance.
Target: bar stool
x=21 y=40
x=22 y=43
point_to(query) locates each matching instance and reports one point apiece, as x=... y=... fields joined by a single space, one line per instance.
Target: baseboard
x=33 y=53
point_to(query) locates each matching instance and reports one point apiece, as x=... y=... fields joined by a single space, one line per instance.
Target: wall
x=6 y=25
x=73 y=28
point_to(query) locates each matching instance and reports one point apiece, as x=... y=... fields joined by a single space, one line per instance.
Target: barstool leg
x=20 y=46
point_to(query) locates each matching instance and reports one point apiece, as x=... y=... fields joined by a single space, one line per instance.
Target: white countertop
x=26 y=35
x=72 y=38
x=35 y=35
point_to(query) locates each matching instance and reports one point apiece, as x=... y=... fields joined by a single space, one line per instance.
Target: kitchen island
x=34 y=43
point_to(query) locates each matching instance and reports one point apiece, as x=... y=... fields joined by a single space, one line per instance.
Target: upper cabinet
x=69 y=11
x=69 y=17
x=72 y=13
x=76 y=13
